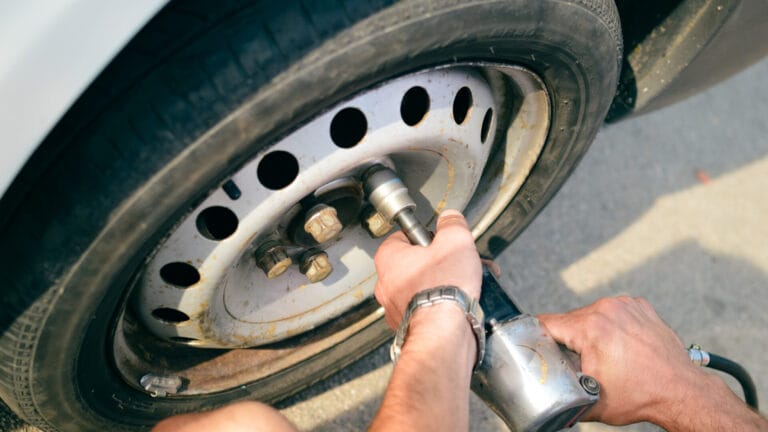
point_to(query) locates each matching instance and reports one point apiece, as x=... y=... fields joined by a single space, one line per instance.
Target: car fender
x=52 y=51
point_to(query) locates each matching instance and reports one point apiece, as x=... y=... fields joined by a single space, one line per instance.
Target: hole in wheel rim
x=278 y=169
x=170 y=315
x=487 y=120
x=180 y=274
x=348 y=127
x=217 y=223
x=462 y=104
x=414 y=106
x=184 y=340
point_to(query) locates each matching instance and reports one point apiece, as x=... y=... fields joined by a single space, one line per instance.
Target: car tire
x=126 y=172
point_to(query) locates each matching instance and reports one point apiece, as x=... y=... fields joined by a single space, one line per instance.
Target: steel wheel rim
x=518 y=140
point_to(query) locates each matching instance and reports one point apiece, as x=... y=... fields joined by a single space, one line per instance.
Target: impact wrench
x=525 y=377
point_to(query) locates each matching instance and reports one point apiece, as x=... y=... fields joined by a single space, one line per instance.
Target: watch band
x=443 y=294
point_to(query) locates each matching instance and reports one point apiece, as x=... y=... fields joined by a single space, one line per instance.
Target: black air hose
x=737 y=371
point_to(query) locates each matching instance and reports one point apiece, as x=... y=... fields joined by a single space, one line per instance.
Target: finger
x=395 y=244
x=562 y=329
x=452 y=230
x=397 y=237
x=388 y=309
x=495 y=269
x=646 y=306
x=595 y=413
x=391 y=321
x=449 y=218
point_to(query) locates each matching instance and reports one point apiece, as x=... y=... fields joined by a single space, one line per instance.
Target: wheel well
x=172 y=28
x=675 y=48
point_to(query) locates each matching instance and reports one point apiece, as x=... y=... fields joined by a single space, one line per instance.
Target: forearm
x=429 y=388
x=708 y=404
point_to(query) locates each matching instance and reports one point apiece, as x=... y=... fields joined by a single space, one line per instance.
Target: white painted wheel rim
x=234 y=305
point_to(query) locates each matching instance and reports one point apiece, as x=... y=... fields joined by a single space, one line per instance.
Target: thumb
x=451 y=218
x=452 y=231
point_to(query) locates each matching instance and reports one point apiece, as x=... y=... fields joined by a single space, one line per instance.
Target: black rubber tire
x=183 y=112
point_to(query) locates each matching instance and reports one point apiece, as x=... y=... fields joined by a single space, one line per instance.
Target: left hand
x=642 y=366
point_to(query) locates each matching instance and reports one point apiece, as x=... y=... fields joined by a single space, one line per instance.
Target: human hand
x=641 y=365
x=404 y=269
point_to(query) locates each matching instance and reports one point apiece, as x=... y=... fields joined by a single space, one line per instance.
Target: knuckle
x=598 y=324
x=452 y=223
x=644 y=303
x=609 y=304
x=451 y=214
x=620 y=306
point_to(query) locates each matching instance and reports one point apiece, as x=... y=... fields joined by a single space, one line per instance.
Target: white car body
x=51 y=51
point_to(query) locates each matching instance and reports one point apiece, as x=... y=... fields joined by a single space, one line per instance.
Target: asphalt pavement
x=671 y=206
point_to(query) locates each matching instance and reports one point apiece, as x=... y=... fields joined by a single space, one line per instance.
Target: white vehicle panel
x=51 y=51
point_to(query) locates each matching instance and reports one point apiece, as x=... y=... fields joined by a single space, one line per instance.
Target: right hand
x=404 y=269
x=641 y=365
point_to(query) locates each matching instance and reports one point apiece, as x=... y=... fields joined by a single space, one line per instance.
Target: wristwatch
x=443 y=294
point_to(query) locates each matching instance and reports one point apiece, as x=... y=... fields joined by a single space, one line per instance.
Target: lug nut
x=273 y=259
x=375 y=223
x=316 y=266
x=322 y=223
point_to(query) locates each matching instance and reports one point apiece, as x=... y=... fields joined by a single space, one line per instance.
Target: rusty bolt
x=375 y=223
x=322 y=223
x=273 y=259
x=316 y=266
